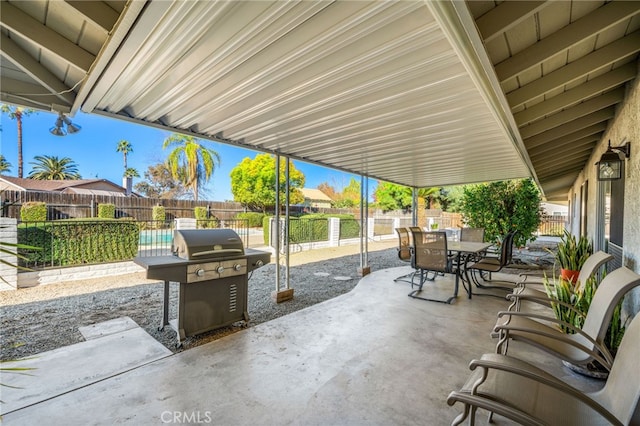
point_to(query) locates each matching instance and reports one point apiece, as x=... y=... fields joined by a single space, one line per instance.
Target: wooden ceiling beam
x=15 y=20
x=35 y=70
x=605 y=56
x=589 y=89
x=589 y=120
x=585 y=108
x=587 y=26
x=506 y=15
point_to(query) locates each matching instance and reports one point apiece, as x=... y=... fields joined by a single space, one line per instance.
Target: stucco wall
x=624 y=127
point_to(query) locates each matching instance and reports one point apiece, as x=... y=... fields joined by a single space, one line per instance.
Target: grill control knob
x=220 y=269
x=237 y=267
x=259 y=263
x=200 y=272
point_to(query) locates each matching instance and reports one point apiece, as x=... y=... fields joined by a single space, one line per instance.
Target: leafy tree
x=47 y=167
x=328 y=190
x=451 y=198
x=350 y=196
x=160 y=183
x=390 y=196
x=17 y=113
x=5 y=166
x=190 y=161
x=253 y=182
x=125 y=148
x=500 y=207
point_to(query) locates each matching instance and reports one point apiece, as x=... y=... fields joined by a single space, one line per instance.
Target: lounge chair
x=532 y=290
x=432 y=256
x=587 y=344
x=528 y=395
x=405 y=252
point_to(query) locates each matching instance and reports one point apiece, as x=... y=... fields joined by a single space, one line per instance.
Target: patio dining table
x=465 y=249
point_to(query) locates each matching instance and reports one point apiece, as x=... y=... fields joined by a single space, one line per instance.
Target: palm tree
x=425 y=197
x=5 y=166
x=131 y=172
x=47 y=167
x=17 y=113
x=125 y=148
x=190 y=161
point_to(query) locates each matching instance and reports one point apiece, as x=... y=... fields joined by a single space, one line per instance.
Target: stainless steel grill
x=212 y=267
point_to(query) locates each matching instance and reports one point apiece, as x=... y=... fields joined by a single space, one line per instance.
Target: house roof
x=419 y=93
x=76 y=186
x=315 y=194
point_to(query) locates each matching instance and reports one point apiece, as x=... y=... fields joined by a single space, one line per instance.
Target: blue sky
x=93 y=149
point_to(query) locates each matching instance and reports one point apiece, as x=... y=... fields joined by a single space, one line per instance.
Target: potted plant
x=571 y=306
x=571 y=255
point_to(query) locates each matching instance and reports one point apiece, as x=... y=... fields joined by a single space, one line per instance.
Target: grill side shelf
x=166 y=268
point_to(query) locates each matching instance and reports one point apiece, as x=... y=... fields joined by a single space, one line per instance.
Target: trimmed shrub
x=254 y=219
x=33 y=211
x=106 y=211
x=76 y=242
x=200 y=213
x=159 y=213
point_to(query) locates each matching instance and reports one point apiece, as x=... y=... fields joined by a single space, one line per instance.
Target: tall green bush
x=33 y=211
x=500 y=207
x=106 y=211
x=200 y=213
x=159 y=213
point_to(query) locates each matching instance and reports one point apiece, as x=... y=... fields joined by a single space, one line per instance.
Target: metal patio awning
x=420 y=93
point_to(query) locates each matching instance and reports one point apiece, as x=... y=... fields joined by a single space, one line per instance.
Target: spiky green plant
x=571 y=304
x=572 y=253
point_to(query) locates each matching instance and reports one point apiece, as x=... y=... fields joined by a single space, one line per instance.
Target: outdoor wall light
x=61 y=121
x=610 y=164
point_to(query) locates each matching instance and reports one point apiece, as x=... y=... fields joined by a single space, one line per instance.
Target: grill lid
x=206 y=244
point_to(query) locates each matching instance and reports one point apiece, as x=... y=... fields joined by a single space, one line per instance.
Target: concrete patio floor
x=370 y=357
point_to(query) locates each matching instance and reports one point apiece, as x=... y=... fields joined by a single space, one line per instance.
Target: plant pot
x=569 y=275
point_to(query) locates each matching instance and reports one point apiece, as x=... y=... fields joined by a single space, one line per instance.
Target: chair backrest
x=610 y=291
x=506 y=249
x=621 y=394
x=475 y=235
x=404 y=244
x=591 y=266
x=430 y=250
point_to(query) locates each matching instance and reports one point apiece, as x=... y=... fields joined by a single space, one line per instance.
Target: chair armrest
x=603 y=356
x=490 y=405
x=521 y=368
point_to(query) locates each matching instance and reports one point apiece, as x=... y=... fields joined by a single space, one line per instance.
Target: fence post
x=370 y=228
x=9 y=234
x=334 y=232
x=396 y=223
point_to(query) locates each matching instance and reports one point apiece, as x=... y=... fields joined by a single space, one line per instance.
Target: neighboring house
x=78 y=186
x=315 y=198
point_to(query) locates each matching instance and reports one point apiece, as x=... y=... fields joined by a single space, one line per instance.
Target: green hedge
x=315 y=227
x=349 y=228
x=77 y=242
x=106 y=211
x=33 y=211
x=254 y=219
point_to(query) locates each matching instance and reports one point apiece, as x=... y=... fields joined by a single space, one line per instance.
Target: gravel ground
x=38 y=319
